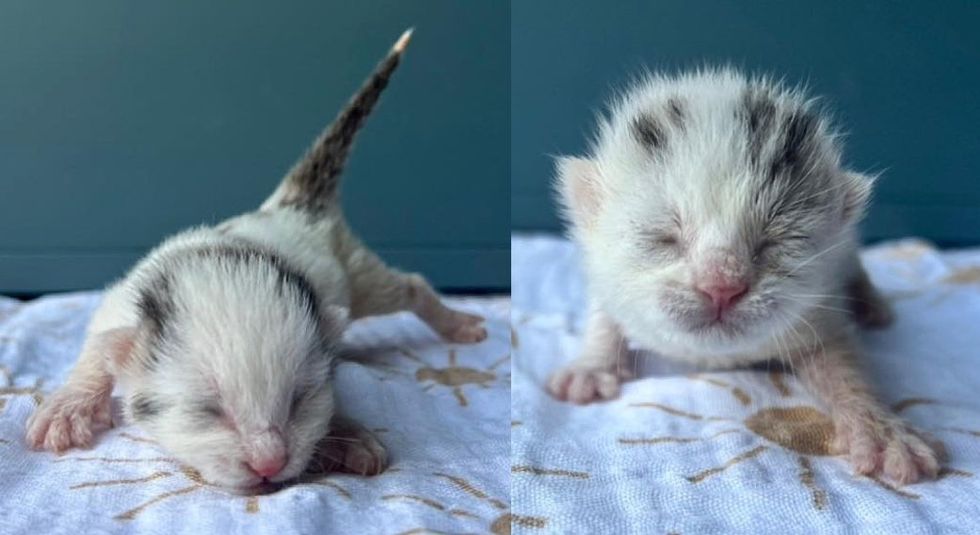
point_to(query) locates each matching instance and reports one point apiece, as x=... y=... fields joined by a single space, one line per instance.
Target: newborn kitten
x=225 y=337
x=718 y=228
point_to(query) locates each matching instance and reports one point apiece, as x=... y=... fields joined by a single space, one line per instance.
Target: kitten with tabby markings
x=225 y=338
x=718 y=227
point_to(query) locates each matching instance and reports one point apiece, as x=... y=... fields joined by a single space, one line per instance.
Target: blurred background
x=901 y=76
x=122 y=122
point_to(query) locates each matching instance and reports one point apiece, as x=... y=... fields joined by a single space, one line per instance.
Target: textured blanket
x=683 y=451
x=442 y=411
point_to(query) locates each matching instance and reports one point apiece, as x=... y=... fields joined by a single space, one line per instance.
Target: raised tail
x=313 y=182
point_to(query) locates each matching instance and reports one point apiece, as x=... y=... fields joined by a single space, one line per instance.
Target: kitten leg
x=80 y=408
x=870 y=308
x=875 y=440
x=600 y=367
x=379 y=289
x=350 y=448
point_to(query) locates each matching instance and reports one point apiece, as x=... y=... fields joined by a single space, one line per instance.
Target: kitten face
x=232 y=372
x=720 y=214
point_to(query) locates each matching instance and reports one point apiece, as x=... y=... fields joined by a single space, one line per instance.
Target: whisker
x=837 y=245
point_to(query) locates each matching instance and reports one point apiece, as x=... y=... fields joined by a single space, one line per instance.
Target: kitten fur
x=225 y=338
x=718 y=227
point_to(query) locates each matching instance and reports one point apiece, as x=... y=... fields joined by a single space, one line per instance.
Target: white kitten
x=225 y=337
x=718 y=228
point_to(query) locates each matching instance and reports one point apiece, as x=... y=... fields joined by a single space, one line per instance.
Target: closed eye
x=658 y=239
x=213 y=409
x=298 y=399
x=764 y=245
x=795 y=240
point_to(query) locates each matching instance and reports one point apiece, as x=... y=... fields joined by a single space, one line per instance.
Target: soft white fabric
x=449 y=453
x=572 y=474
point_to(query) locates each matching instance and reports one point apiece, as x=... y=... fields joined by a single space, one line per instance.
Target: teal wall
x=122 y=121
x=902 y=76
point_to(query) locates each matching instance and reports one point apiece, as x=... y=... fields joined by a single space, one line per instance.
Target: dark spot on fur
x=155 y=304
x=675 y=112
x=156 y=309
x=144 y=407
x=648 y=131
x=758 y=111
x=286 y=275
x=798 y=131
x=211 y=407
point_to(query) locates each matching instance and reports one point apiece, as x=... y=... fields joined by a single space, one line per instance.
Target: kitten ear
x=578 y=185
x=857 y=191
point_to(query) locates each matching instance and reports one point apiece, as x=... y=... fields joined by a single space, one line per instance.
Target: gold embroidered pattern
x=420 y=499
x=535 y=522
x=549 y=472
x=151 y=477
x=470 y=489
x=808 y=479
x=802 y=430
x=701 y=476
x=737 y=392
x=678 y=412
x=454 y=376
x=682 y=440
x=970 y=275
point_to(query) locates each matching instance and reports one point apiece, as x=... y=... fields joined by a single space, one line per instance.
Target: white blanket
x=685 y=452
x=446 y=430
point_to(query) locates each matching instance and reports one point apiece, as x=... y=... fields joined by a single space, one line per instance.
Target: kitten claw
x=583 y=384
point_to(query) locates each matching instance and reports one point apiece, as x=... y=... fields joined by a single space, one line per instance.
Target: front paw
x=352 y=449
x=583 y=384
x=464 y=329
x=885 y=445
x=69 y=418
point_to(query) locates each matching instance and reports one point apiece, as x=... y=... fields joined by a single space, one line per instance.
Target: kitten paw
x=69 y=418
x=583 y=384
x=366 y=457
x=464 y=329
x=888 y=446
x=352 y=449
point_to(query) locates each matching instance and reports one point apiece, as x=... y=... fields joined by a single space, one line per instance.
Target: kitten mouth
x=725 y=324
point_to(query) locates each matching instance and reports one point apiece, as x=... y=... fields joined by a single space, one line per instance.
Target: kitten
x=718 y=228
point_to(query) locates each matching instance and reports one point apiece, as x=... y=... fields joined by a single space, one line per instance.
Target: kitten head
x=230 y=369
x=713 y=209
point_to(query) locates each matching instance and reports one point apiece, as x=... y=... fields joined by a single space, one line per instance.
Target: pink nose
x=268 y=466
x=723 y=295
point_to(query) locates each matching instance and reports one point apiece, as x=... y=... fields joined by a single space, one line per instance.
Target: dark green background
x=902 y=78
x=121 y=122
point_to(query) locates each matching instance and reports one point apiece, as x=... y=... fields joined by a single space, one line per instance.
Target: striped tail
x=313 y=182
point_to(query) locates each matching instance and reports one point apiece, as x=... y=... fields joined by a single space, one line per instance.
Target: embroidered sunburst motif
x=799 y=430
x=454 y=376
